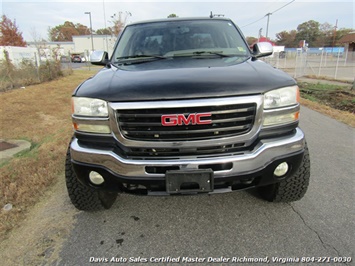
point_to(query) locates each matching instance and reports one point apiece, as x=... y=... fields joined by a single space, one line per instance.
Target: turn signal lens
x=101 y=129
x=276 y=119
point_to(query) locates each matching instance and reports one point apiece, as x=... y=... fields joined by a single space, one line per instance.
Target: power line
x=252 y=22
x=268 y=14
x=283 y=6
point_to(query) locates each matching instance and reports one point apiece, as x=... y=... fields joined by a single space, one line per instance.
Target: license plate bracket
x=178 y=181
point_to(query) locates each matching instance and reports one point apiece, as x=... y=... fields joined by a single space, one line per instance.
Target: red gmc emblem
x=181 y=119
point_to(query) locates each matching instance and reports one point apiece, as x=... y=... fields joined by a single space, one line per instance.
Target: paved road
x=74 y=65
x=236 y=224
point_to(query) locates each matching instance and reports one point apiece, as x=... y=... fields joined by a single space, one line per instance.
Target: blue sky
x=38 y=16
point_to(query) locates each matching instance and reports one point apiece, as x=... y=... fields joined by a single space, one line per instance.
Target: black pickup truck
x=183 y=106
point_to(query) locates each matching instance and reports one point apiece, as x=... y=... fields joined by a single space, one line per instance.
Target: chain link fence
x=21 y=67
x=332 y=64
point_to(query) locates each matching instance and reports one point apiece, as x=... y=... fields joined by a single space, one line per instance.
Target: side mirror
x=262 y=49
x=99 y=58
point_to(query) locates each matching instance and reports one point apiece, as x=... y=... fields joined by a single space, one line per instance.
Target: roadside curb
x=21 y=145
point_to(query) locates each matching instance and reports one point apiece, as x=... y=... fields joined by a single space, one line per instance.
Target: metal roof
x=349 y=38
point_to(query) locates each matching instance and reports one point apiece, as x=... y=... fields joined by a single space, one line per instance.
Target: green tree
x=66 y=31
x=315 y=34
x=172 y=16
x=325 y=37
x=82 y=29
x=330 y=36
x=342 y=32
x=106 y=31
x=309 y=31
x=251 y=40
x=287 y=38
x=10 y=34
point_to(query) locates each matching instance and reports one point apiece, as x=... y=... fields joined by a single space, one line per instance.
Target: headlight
x=90 y=115
x=281 y=97
x=281 y=106
x=89 y=107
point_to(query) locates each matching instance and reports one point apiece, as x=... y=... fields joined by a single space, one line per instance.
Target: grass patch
x=310 y=98
x=335 y=96
x=326 y=78
x=30 y=153
x=41 y=115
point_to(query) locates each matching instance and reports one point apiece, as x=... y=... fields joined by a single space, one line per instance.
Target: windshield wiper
x=135 y=59
x=210 y=52
x=202 y=53
x=141 y=56
x=219 y=53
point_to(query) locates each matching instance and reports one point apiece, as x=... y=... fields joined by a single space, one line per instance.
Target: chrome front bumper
x=267 y=151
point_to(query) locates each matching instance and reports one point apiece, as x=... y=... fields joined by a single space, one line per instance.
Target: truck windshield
x=180 y=38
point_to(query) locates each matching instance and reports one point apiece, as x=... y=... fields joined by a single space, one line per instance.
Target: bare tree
x=119 y=22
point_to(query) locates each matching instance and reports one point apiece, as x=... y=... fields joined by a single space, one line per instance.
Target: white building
x=17 y=55
x=81 y=44
x=42 y=51
x=84 y=44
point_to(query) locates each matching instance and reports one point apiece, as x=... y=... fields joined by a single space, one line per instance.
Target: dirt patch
x=341 y=100
x=39 y=238
x=332 y=95
x=5 y=145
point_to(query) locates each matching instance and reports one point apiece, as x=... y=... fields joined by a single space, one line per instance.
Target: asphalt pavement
x=230 y=228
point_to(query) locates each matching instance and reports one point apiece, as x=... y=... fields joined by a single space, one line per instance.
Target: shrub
x=28 y=73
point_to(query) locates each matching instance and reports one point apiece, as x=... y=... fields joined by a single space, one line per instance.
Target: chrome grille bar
x=227 y=120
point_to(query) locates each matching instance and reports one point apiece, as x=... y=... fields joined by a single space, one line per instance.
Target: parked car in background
x=76 y=59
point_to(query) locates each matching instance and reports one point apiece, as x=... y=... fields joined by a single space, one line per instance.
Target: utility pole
x=335 y=32
x=103 y=4
x=92 y=39
x=260 y=31
x=268 y=17
x=267 y=26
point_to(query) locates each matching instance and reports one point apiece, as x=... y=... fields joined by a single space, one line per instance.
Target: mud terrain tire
x=291 y=189
x=85 y=198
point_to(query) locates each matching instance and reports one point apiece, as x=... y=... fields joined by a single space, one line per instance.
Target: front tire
x=83 y=197
x=291 y=189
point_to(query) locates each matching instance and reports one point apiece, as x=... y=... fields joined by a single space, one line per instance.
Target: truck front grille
x=178 y=153
x=226 y=120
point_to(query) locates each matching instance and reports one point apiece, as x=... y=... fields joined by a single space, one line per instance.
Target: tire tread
x=293 y=188
x=83 y=197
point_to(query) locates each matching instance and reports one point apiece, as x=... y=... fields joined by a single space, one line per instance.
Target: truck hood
x=183 y=79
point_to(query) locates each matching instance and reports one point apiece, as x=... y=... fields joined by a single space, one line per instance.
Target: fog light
x=96 y=178
x=281 y=169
